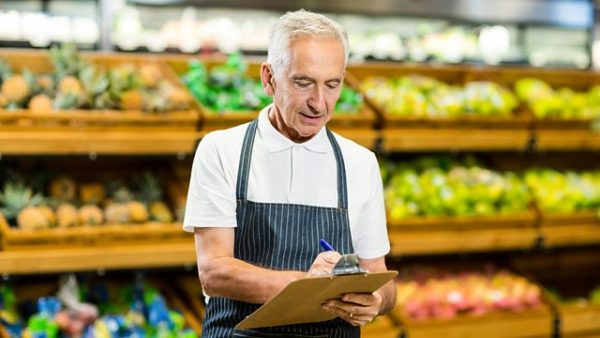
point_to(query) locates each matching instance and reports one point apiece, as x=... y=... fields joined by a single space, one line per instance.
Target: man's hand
x=358 y=309
x=324 y=263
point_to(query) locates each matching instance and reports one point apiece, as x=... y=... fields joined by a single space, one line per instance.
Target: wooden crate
x=455 y=75
x=526 y=324
x=144 y=233
x=213 y=120
x=383 y=326
x=579 y=80
x=579 y=217
x=94 y=120
x=437 y=235
x=525 y=219
x=579 y=320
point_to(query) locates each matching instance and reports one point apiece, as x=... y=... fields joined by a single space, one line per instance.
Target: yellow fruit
x=150 y=75
x=48 y=214
x=90 y=215
x=138 y=212
x=67 y=215
x=32 y=218
x=45 y=82
x=15 y=89
x=178 y=98
x=117 y=213
x=70 y=84
x=132 y=100
x=40 y=103
x=160 y=212
x=92 y=193
x=3 y=101
x=63 y=188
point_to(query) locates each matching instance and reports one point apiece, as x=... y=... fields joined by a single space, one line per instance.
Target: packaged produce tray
x=453 y=75
x=213 y=120
x=77 y=119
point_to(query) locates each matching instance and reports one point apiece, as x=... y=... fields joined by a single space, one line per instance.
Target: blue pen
x=326 y=246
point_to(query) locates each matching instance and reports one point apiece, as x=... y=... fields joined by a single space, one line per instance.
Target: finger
x=350 y=317
x=330 y=257
x=364 y=299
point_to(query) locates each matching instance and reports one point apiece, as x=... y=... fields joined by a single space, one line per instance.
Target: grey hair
x=298 y=24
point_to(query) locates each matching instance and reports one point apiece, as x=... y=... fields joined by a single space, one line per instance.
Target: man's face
x=306 y=91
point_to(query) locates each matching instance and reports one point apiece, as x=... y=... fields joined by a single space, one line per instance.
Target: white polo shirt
x=282 y=171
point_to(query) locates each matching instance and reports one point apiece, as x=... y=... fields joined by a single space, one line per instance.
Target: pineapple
x=16 y=89
x=160 y=212
x=32 y=218
x=48 y=214
x=147 y=187
x=117 y=213
x=45 y=83
x=40 y=103
x=70 y=84
x=150 y=75
x=67 y=60
x=67 y=216
x=15 y=197
x=132 y=100
x=137 y=212
x=177 y=99
x=90 y=215
x=92 y=193
x=62 y=188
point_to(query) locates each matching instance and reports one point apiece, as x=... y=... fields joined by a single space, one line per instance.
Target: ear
x=267 y=77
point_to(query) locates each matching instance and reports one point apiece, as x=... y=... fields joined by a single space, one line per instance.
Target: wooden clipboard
x=300 y=301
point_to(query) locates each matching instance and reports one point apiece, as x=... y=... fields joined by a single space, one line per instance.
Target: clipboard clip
x=347 y=265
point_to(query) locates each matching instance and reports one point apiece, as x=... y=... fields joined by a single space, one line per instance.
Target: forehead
x=317 y=57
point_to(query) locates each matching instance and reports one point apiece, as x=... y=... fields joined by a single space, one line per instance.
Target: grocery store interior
x=484 y=116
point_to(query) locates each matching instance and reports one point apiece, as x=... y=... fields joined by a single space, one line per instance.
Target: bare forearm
x=236 y=279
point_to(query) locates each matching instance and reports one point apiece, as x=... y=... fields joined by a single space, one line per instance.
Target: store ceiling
x=567 y=13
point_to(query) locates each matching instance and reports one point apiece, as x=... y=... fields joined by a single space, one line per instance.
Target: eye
x=333 y=85
x=303 y=84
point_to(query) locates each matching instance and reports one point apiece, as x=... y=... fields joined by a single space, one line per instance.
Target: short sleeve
x=372 y=238
x=211 y=196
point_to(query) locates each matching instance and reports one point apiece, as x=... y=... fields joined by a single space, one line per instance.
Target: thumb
x=331 y=257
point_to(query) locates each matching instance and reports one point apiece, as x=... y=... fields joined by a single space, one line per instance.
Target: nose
x=316 y=101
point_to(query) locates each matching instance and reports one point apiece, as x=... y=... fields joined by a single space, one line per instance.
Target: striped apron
x=281 y=236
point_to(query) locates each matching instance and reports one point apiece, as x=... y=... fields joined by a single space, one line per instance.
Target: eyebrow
x=308 y=78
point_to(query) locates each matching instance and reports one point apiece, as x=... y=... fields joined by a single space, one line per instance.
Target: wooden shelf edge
x=154 y=255
x=461 y=241
x=437 y=139
x=97 y=142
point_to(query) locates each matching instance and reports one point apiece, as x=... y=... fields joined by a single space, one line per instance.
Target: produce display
x=63 y=202
x=593 y=298
x=564 y=192
x=77 y=83
x=226 y=88
x=427 y=293
x=93 y=310
x=421 y=96
x=441 y=187
x=564 y=103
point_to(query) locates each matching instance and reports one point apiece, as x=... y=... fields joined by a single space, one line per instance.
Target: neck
x=277 y=122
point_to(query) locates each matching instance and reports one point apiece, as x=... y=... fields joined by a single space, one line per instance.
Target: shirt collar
x=275 y=141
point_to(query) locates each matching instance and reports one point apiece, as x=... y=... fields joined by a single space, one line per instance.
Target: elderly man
x=263 y=194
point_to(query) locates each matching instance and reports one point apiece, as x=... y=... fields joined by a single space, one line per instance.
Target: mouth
x=313 y=118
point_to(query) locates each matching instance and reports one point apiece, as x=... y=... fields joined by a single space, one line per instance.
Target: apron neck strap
x=246 y=156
